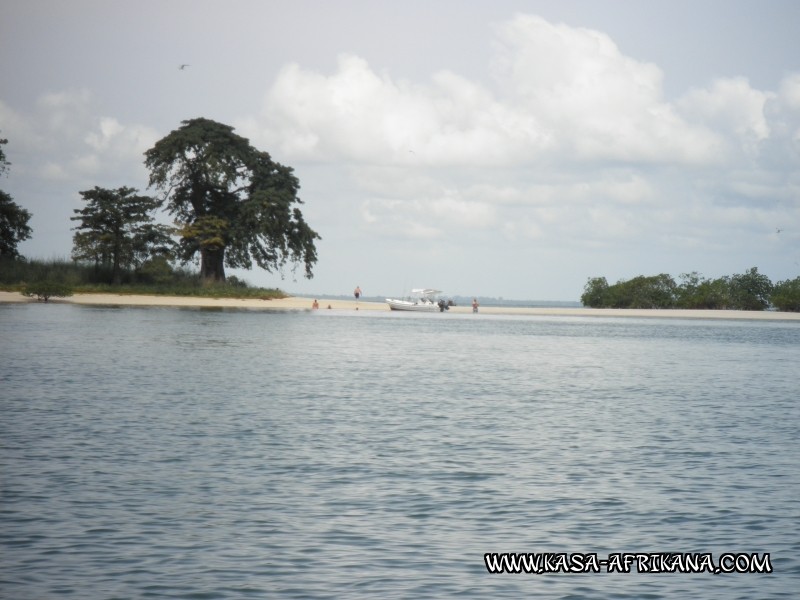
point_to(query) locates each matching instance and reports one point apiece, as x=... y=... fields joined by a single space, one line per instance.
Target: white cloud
x=733 y=108
x=428 y=217
x=575 y=142
x=568 y=150
x=568 y=73
x=360 y=115
x=787 y=119
x=597 y=103
x=100 y=139
x=562 y=92
x=63 y=139
x=790 y=91
x=623 y=188
x=452 y=208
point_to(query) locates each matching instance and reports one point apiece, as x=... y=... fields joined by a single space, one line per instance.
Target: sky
x=509 y=148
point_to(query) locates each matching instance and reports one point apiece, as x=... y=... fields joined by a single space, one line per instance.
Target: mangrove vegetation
x=750 y=290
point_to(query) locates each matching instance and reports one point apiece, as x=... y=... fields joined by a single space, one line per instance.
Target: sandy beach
x=302 y=303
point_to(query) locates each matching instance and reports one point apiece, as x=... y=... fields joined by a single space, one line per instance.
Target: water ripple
x=196 y=454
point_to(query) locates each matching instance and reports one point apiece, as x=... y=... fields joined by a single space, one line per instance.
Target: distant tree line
x=745 y=291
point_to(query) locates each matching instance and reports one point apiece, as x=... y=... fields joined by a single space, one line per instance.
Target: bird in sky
x=778 y=230
x=182 y=67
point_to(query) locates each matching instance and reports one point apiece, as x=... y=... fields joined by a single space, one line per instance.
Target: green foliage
x=207 y=233
x=13 y=218
x=154 y=277
x=4 y=164
x=116 y=230
x=695 y=292
x=747 y=291
x=15 y=272
x=595 y=293
x=13 y=225
x=786 y=295
x=44 y=280
x=44 y=290
x=750 y=291
x=155 y=270
x=234 y=282
x=657 y=291
x=233 y=203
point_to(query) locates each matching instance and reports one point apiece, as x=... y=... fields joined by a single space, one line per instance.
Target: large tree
x=117 y=231
x=233 y=203
x=750 y=290
x=13 y=218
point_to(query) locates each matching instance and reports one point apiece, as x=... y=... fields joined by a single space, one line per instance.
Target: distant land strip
x=299 y=303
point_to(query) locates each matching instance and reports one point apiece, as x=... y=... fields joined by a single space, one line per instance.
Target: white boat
x=422 y=300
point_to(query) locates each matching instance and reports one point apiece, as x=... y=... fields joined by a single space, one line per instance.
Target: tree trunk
x=212 y=265
x=117 y=269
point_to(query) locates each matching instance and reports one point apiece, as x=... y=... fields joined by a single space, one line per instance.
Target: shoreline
x=304 y=304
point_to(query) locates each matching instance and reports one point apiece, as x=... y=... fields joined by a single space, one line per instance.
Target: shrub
x=155 y=270
x=750 y=290
x=235 y=282
x=44 y=290
x=786 y=295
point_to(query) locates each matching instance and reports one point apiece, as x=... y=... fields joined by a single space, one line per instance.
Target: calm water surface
x=173 y=453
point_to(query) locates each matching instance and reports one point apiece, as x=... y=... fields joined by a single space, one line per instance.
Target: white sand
x=299 y=303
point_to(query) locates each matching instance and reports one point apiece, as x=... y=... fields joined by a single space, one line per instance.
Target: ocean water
x=167 y=453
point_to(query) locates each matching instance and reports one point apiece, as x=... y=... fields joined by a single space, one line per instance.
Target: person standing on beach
x=357 y=293
x=475 y=305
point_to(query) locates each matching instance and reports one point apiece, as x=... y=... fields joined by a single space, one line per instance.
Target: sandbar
x=302 y=304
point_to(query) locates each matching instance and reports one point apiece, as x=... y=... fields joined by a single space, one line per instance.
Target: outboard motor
x=443 y=306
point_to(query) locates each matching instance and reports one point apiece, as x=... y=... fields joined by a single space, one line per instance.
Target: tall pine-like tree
x=117 y=231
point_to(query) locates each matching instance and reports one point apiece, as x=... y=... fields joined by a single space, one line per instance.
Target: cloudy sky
x=504 y=148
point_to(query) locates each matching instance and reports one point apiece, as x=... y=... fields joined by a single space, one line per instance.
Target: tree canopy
x=233 y=204
x=116 y=229
x=750 y=290
x=745 y=291
x=13 y=218
x=786 y=295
